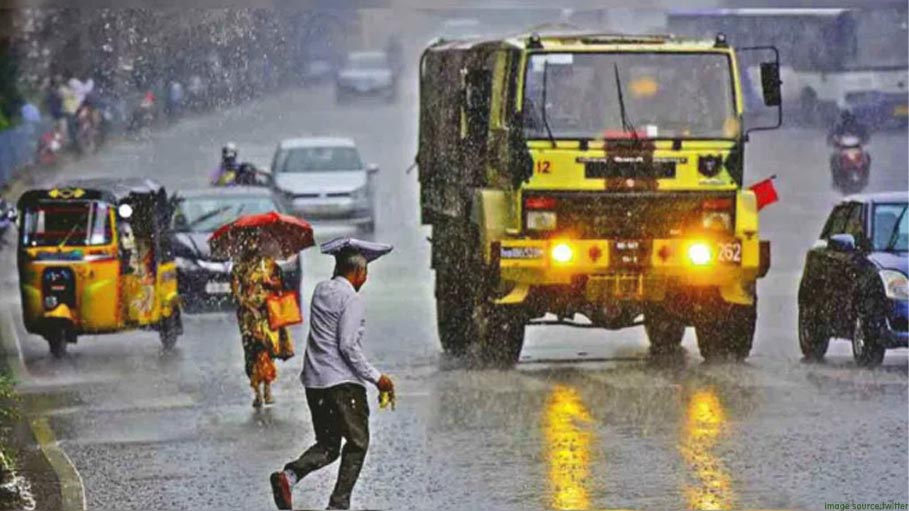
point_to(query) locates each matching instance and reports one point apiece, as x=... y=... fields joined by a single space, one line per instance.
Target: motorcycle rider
x=848 y=125
x=226 y=172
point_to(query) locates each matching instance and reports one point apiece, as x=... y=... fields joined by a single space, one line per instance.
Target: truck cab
x=590 y=174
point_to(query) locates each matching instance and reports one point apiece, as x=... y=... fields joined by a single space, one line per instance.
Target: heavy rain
x=498 y=255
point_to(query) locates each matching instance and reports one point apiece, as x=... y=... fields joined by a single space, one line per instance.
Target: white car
x=323 y=178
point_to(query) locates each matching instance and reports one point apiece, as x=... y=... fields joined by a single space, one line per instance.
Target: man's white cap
x=369 y=249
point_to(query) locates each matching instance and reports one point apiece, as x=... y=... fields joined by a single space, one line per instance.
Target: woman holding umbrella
x=253 y=243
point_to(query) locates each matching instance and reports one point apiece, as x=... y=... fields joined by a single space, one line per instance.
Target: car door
x=843 y=268
x=817 y=279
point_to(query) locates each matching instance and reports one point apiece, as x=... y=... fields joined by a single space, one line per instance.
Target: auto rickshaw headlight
x=125 y=211
x=50 y=302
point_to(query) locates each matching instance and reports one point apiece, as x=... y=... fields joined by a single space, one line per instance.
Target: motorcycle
x=850 y=164
x=246 y=174
x=49 y=146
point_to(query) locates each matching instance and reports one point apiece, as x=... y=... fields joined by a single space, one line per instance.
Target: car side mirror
x=841 y=243
x=770 y=83
x=372 y=168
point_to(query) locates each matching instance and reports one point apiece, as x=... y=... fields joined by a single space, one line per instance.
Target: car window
x=855 y=224
x=890 y=228
x=836 y=223
x=321 y=159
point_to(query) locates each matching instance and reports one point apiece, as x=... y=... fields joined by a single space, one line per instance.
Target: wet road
x=584 y=422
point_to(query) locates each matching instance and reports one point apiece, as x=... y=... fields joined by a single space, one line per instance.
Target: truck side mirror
x=770 y=83
x=372 y=168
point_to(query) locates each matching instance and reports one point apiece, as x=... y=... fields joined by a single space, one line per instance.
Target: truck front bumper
x=636 y=270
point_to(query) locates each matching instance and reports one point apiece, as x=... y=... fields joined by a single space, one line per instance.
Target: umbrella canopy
x=268 y=235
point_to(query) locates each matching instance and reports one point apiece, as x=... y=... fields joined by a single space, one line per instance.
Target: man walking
x=335 y=373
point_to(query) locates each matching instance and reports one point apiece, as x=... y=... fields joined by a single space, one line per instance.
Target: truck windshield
x=66 y=223
x=666 y=95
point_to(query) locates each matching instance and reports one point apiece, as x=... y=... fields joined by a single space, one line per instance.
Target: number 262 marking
x=543 y=167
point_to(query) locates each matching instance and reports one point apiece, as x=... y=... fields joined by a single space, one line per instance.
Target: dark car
x=204 y=281
x=854 y=283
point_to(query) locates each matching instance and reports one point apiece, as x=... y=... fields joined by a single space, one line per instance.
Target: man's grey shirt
x=334 y=349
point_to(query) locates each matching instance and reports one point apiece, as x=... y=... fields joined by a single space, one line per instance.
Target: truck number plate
x=630 y=253
x=729 y=252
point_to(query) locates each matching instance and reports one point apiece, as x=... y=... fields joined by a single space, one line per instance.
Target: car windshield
x=891 y=228
x=367 y=61
x=67 y=223
x=665 y=95
x=321 y=159
x=206 y=214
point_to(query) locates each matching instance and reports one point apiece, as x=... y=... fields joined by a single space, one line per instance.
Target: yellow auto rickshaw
x=95 y=257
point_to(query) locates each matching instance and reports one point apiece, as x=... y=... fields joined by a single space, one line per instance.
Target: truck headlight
x=541 y=220
x=700 y=254
x=562 y=253
x=896 y=285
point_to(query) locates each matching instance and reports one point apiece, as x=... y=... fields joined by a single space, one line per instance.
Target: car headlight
x=896 y=286
x=360 y=193
x=541 y=220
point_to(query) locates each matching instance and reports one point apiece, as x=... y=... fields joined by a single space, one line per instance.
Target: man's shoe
x=280 y=488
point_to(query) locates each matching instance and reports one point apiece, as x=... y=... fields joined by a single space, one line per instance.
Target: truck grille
x=641 y=215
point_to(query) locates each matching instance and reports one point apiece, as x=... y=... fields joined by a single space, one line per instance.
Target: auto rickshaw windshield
x=66 y=223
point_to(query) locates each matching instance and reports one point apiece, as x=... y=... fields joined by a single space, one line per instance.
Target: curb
x=72 y=489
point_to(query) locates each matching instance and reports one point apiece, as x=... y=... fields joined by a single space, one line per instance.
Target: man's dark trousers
x=337 y=412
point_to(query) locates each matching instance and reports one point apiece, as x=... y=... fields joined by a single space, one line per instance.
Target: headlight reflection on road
x=705 y=423
x=567 y=449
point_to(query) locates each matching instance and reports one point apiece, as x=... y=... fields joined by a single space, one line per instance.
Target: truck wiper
x=543 y=112
x=895 y=235
x=627 y=127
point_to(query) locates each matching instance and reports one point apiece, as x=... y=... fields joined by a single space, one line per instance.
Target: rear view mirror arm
x=777 y=83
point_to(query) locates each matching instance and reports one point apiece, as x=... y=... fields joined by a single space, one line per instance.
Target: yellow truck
x=593 y=179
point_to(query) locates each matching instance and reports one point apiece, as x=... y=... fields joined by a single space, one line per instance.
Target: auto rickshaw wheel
x=58 y=337
x=170 y=330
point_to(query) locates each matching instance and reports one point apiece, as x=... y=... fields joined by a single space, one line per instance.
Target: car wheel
x=813 y=340
x=865 y=348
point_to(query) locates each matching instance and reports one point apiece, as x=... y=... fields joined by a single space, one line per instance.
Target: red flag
x=765 y=192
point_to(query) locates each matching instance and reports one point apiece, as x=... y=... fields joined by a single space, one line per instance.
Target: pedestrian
x=254 y=277
x=335 y=374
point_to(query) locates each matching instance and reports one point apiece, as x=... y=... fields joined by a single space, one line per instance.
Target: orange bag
x=283 y=309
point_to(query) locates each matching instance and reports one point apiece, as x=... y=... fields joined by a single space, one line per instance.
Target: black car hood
x=192 y=245
x=890 y=260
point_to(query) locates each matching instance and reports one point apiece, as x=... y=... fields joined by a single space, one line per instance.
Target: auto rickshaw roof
x=111 y=190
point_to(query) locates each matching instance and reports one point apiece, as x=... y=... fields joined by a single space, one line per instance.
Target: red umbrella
x=266 y=233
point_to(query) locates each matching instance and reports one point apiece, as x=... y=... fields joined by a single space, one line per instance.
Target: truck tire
x=664 y=331
x=813 y=340
x=452 y=314
x=498 y=336
x=728 y=334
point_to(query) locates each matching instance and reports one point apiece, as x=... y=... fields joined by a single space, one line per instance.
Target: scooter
x=850 y=164
x=49 y=146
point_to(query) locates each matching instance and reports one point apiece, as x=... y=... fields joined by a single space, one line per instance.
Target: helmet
x=229 y=151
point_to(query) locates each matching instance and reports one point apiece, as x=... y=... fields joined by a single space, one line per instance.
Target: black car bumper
x=896 y=328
